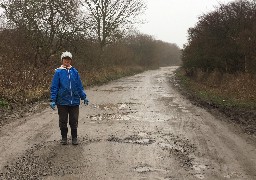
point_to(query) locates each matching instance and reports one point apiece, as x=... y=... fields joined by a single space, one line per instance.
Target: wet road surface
x=137 y=128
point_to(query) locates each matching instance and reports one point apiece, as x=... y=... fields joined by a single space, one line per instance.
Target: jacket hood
x=64 y=67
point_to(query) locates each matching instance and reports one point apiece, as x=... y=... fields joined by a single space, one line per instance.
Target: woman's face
x=66 y=62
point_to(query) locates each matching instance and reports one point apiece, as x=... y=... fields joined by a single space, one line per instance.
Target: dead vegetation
x=231 y=95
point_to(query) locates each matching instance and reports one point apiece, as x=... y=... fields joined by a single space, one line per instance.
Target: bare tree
x=47 y=23
x=223 y=40
x=108 y=19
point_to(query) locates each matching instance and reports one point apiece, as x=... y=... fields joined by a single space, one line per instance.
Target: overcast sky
x=169 y=20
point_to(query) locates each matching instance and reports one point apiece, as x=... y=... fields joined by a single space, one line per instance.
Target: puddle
x=143 y=134
x=232 y=175
x=142 y=141
x=133 y=139
x=108 y=117
x=96 y=117
x=168 y=95
x=115 y=89
x=119 y=106
x=122 y=106
x=119 y=112
x=167 y=98
x=199 y=176
x=107 y=106
x=199 y=167
x=143 y=169
x=185 y=110
x=227 y=176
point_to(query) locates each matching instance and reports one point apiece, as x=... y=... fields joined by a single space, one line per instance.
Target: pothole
x=199 y=176
x=115 y=89
x=183 y=109
x=199 y=167
x=143 y=169
x=115 y=107
x=133 y=139
x=110 y=116
x=107 y=106
x=181 y=148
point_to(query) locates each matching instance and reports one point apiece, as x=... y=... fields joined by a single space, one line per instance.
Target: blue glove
x=52 y=104
x=86 y=101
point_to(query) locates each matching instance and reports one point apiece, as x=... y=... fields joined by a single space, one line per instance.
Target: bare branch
x=112 y=16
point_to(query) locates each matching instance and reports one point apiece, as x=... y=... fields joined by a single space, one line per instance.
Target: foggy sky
x=169 y=20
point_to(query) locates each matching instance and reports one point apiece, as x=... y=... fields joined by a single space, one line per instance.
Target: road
x=137 y=127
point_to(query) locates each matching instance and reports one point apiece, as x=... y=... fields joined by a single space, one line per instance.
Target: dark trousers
x=68 y=113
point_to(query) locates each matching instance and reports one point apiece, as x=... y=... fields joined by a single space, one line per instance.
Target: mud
x=138 y=127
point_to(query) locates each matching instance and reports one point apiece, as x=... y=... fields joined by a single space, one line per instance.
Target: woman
x=66 y=92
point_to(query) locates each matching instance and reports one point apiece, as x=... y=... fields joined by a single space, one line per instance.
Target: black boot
x=74 y=136
x=64 y=136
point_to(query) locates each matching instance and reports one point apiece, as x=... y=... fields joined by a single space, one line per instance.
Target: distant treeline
x=223 y=40
x=98 y=33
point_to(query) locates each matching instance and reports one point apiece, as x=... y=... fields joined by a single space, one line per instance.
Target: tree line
x=223 y=40
x=99 y=34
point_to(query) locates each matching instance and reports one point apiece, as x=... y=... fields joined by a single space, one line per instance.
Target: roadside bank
x=232 y=97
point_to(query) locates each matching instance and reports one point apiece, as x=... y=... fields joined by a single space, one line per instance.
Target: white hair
x=66 y=54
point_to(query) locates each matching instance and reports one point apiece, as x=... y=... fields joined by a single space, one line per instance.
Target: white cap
x=66 y=54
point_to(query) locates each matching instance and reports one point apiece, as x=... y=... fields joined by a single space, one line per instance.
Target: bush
x=223 y=40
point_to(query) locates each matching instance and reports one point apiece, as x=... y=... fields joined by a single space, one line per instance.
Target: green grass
x=3 y=103
x=222 y=101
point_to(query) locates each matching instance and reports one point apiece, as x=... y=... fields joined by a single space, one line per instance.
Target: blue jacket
x=67 y=88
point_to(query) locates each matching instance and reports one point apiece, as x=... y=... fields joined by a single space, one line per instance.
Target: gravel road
x=137 y=128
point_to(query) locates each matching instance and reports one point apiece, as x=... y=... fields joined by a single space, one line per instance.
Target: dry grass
x=103 y=75
x=224 y=89
x=26 y=94
x=36 y=86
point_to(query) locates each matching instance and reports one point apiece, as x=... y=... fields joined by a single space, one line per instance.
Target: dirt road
x=137 y=128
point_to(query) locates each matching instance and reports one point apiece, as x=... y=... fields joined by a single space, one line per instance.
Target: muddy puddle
x=182 y=149
x=113 y=112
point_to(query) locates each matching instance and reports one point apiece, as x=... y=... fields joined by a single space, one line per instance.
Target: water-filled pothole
x=133 y=139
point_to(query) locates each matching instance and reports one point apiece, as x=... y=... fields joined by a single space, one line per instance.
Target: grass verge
x=233 y=96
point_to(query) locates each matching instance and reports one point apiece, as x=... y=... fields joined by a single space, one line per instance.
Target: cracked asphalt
x=137 y=127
